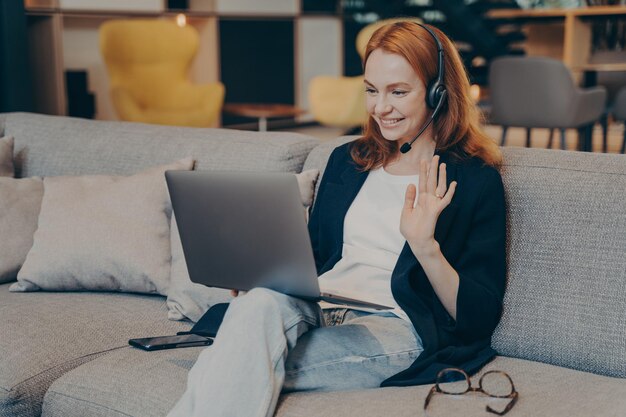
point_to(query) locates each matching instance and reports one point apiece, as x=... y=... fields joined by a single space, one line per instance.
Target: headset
x=436 y=92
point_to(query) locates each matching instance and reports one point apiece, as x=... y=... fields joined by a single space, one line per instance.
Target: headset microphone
x=407 y=146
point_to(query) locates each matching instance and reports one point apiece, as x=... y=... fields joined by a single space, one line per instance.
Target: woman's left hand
x=418 y=221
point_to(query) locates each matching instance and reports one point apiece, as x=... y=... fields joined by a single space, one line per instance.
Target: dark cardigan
x=471 y=234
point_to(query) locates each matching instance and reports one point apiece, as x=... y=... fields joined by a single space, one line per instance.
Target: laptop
x=241 y=230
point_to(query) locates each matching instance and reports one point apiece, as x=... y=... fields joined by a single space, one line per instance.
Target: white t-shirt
x=372 y=242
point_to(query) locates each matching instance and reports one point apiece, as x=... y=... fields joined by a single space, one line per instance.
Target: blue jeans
x=270 y=343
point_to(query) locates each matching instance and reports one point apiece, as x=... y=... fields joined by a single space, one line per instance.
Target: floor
x=515 y=136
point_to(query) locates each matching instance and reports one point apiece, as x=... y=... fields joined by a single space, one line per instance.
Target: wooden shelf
x=576 y=12
x=617 y=67
x=114 y=13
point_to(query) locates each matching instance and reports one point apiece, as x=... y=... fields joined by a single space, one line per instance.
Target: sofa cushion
x=53 y=145
x=544 y=390
x=46 y=334
x=105 y=233
x=6 y=157
x=318 y=157
x=20 y=201
x=565 y=301
x=131 y=382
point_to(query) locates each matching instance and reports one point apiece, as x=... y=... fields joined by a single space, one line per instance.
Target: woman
x=434 y=252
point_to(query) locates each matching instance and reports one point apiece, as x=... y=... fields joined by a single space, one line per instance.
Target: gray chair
x=619 y=112
x=539 y=92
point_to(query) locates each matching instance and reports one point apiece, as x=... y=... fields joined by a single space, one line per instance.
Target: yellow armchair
x=338 y=102
x=148 y=61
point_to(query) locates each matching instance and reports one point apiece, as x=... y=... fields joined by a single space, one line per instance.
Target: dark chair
x=619 y=112
x=539 y=92
x=613 y=81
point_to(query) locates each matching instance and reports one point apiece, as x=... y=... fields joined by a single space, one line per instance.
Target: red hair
x=457 y=126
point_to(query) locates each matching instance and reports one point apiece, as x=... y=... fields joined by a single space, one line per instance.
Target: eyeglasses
x=496 y=384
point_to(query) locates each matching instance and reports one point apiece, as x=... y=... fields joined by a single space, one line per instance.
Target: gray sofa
x=562 y=336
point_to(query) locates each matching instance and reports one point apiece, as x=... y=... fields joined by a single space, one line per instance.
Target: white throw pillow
x=105 y=233
x=186 y=299
x=6 y=157
x=20 y=201
x=306 y=183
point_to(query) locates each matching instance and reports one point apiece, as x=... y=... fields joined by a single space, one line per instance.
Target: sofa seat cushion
x=43 y=335
x=131 y=382
x=126 y=382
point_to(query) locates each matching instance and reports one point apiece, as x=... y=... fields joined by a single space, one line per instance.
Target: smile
x=390 y=122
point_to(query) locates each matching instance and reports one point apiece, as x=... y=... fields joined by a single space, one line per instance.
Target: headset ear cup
x=434 y=93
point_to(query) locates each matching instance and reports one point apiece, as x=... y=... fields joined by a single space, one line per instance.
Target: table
x=263 y=111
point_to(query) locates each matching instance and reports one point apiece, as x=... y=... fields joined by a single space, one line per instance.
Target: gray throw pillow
x=186 y=299
x=105 y=233
x=20 y=201
x=6 y=157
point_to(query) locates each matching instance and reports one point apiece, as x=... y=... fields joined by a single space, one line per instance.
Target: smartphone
x=170 y=342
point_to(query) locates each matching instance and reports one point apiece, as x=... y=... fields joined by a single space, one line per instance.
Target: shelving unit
x=46 y=58
x=563 y=33
x=64 y=39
